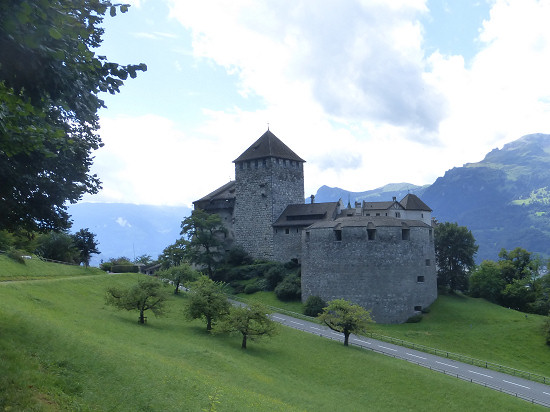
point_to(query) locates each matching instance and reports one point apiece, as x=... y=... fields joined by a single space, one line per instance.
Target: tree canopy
x=205 y=233
x=455 y=248
x=148 y=294
x=345 y=317
x=84 y=242
x=207 y=301
x=178 y=275
x=251 y=321
x=50 y=81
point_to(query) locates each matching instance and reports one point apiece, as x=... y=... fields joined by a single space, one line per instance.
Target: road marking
x=482 y=374
x=446 y=364
x=416 y=356
x=313 y=327
x=297 y=323
x=278 y=317
x=517 y=384
x=384 y=347
x=546 y=393
x=362 y=341
x=335 y=333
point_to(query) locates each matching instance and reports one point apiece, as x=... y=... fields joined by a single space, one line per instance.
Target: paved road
x=530 y=391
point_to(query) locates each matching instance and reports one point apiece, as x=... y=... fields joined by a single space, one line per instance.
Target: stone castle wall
x=264 y=188
x=287 y=244
x=395 y=278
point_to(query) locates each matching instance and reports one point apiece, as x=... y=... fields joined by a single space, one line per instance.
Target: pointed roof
x=413 y=202
x=268 y=145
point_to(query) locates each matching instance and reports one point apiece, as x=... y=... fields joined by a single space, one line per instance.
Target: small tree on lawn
x=148 y=294
x=345 y=317
x=252 y=322
x=178 y=275
x=207 y=301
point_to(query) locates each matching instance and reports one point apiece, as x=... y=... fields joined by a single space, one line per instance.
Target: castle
x=380 y=255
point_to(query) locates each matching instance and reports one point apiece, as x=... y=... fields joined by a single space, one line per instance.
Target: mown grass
x=63 y=349
x=36 y=269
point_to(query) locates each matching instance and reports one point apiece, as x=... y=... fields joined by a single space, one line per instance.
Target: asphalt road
x=530 y=391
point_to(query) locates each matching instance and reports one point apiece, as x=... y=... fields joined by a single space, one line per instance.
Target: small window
x=367 y=214
x=338 y=235
x=405 y=234
x=431 y=234
x=422 y=214
x=287 y=231
x=397 y=214
x=371 y=234
x=378 y=214
x=297 y=230
x=418 y=308
x=420 y=279
x=428 y=262
x=386 y=214
x=307 y=236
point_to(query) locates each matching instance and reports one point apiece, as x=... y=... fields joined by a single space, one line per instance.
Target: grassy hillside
x=36 y=269
x=63 y=349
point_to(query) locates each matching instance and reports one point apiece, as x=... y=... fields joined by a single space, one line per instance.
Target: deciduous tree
x=455 y=248
x=148 y=294
x=178 y=275
x=207 y=301
x=205 y=233
x=345 y=317
x=252 y=322
x=84 y=242
x=50 y=81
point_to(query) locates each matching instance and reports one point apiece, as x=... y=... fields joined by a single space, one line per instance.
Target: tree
x=174 y=254
x=314 y=306
x=57 y=246
x=455 y=248
x=148 y=294
x=486 y=281
x=50 y=79
x=345 y=317
x=143 y=260
x=251 y=321
x=207 y=301
x=205 y=233
x=178 y=275
x=84 y=242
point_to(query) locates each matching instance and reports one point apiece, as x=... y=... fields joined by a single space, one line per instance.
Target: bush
x=313 y=306
x=125 y=269
x=16 y=255
x=290 y=288
x=237 y=256
x=106 y=266
x=252 y=288
x=415 y=318
x=274 y=276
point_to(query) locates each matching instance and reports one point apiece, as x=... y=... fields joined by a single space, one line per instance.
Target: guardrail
x=450 y=355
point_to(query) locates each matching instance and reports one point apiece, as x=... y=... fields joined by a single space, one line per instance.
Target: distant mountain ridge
x=504 y=199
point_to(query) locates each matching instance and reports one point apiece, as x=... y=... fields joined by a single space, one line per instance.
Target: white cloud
x=122 y=222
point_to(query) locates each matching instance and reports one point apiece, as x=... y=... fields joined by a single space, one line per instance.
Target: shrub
x=16 y=255
x=290 y=288
x=274 y=276
x=313 y=306
x=415 y=318
x=237 y=256
x=125 y=269
x=106 y=266
x=252 y=288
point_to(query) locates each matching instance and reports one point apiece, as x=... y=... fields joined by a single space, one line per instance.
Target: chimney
x=394 y=199
x=312 y=199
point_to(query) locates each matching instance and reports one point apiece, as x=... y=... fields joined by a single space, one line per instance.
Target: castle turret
x=268 y=177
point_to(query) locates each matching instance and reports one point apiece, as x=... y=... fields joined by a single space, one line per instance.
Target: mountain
x=504 y=199
x=128 y=230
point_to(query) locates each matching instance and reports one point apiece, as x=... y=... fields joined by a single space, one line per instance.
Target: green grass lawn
x=62 y=349
x=36 y=269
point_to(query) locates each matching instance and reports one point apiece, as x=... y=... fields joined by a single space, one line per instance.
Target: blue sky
x=367 y=92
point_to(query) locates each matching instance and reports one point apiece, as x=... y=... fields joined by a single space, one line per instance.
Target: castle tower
x=268 y=177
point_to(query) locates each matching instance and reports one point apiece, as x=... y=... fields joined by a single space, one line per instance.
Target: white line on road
x=336 y=333
x=362 y=341
x=446 y=364
x=278 y=317
x=482 y=374
x=313 y=327
x=546 y=393
x=517 y=384
x=416 y=356
x=385 y=347
x=297 y=323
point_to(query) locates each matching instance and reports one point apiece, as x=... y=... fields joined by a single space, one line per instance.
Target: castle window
x=431 y=234
x=378 y=214
x=371 y=234
x=367 y=214
x=297 y=230
x=386 y=214
x=287 y=231
x=338 y=235
x=428 y=263
x=420 y=279
x=422 y=214
x=255 y=164
x=418 y=308
x=405 y=234
x=241 y=165
x=307 y=236
x=397 y=214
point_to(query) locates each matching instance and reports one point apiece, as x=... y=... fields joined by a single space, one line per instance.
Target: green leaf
x=54 y=33
x=124 y=8
x=113 y=11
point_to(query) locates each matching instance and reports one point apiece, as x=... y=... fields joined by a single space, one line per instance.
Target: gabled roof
x=225 y=192
x=370 y=222
x=413 y=202
x=306 y=214
x=380 y=205
x=268 y=145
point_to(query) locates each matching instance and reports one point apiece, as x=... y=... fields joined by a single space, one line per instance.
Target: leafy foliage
x=207 y=301
x=455 y=248
x=57 y=246
x=174 y=254
x=314 y=306
x=206 y=234
x=290 y=288
x=50 y=79
x=85 y=243
x=345 y=317
x=178 y=275
x=148 y=294
x=251 y=321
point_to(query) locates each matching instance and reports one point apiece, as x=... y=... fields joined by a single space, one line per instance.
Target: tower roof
x=268 y=145
x=413 y=202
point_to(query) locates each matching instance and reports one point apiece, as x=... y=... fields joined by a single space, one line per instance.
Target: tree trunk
x=346 y=338
x=243 y=345
x=208 y=323
x=141 y=317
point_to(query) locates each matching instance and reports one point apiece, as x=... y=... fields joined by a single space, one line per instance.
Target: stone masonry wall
x=394 y=278
x=287 y=246
x=263 y=189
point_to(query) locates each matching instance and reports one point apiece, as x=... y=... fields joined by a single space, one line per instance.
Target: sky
x=368 y=92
